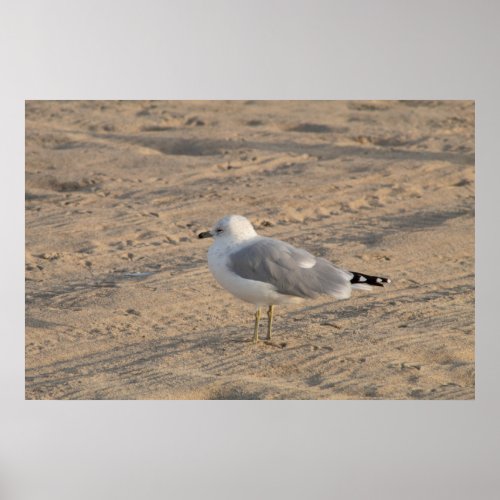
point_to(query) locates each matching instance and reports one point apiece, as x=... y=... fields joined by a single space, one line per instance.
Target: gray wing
x=292 y=271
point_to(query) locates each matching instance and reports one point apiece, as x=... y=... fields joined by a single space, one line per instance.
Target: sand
x=120 y=303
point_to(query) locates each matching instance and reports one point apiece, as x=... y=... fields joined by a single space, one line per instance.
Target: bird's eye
x=218 y=231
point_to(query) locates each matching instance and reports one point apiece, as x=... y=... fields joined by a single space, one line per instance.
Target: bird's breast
x=255 y=292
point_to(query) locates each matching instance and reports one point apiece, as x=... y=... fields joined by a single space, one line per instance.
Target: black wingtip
x=366 y=279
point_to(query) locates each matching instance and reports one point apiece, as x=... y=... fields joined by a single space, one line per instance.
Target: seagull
x=267 y=272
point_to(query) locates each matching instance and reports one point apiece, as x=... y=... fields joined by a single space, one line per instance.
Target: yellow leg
x=270 y=321
x=256 y=329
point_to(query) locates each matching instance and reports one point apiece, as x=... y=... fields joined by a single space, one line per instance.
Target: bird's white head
x=231 y=228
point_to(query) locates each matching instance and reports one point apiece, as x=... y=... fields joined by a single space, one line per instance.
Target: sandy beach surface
x=120 y=303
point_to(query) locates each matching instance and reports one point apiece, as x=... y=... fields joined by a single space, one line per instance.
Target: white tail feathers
x=361 y=286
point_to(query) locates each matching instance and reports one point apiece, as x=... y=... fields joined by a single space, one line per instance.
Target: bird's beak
x=205 y=234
